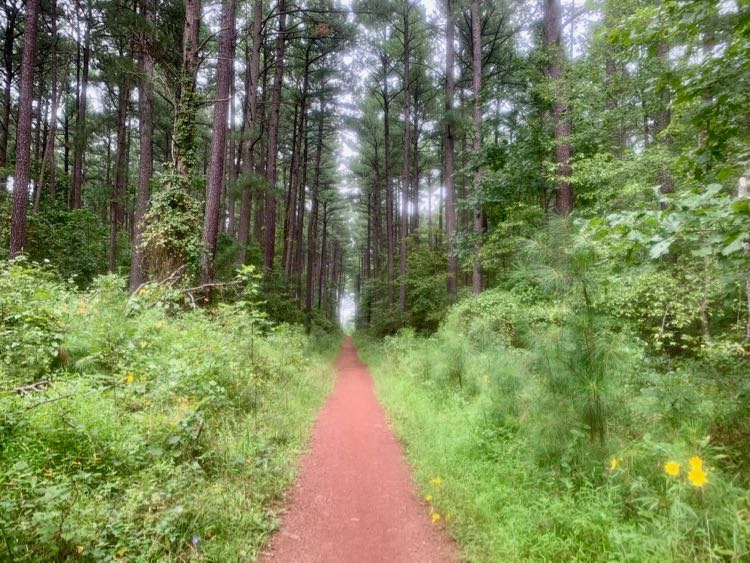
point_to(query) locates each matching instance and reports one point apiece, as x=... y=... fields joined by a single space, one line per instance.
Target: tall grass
x=535 y=435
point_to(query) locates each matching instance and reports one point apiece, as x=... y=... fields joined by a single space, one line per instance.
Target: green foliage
x=172 y=227
x=72 y=242
x=31 y=321
x=557 y=383
x=160 y=435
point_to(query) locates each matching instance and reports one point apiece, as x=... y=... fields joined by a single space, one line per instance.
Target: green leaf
x=660 y=249
x=736 y=245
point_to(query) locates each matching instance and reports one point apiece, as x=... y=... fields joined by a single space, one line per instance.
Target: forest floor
x=354 y=499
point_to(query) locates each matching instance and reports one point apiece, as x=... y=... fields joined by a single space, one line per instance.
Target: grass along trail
x=354 y=499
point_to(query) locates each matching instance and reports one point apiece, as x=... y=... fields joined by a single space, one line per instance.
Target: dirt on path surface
x=354 y=499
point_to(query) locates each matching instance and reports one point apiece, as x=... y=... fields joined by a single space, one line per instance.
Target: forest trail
x=354 y=499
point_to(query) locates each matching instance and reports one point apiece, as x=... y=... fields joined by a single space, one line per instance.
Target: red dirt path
x=354 y=499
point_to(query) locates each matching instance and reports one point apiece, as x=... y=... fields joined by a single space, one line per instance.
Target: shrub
x=32 y=300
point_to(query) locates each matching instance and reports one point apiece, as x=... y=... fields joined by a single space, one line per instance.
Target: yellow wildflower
x=613 y=463
x=79 y=549
x=695 y=462
x=428 y=498
x=435 y=517
x=436 y=481
x=129 y=378
x=697 y=477
x=672 y=468
x=120 y=552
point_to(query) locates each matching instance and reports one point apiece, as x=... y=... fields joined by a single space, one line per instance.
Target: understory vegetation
x=581 y=410
x=136 y=428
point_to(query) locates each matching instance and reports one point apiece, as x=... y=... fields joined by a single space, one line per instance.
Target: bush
x=32 y=303
x=164 y=434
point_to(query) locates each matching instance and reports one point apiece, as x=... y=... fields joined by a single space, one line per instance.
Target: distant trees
x=526 y=126
x=246 y=151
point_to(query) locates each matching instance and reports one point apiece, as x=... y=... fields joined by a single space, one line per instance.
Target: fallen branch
x=32 y=387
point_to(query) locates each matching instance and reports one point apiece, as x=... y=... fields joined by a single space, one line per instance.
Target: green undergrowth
x=134 y=430
x=525 y=449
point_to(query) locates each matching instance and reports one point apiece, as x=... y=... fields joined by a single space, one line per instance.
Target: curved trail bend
x=354 y=500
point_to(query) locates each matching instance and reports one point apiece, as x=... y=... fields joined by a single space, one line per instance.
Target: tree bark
x=405 y=172
x=273 y=133
x=662 y=121
x=23 y=136
x=119 y=189
x=184 y=137
x=218 y=141
x=448 y=153
x=146 y=164
x=251 y=105
x=48 y=158
x=11 y=16
x=312 y=224
x=476 y=83
x=76 y=184
x=388 y=182
x=560 y=109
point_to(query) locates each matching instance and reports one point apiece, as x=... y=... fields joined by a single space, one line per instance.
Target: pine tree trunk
x=405 y=172
x=448 y=153
x=273 y=134
x=478 y=218
x=11 y=16
x=23 y=136
x=119 y=188
x=218 y=141
x=146 y=164
x=560 y=110
x=184 y=139
x=662 y=121
x=79 y=151
x=388 y=183
x=48 y=158
x=251 y=107
x=312 y=224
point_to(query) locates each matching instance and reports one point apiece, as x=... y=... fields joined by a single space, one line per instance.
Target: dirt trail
x=354 y=499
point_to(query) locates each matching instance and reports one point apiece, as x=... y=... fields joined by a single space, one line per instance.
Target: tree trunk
x=11 y=15
x=273 y=134
x=662 y=120
x=218 y=141
x=23 y=136
x=119 y=189
x=80 y=133
x=476 y=83
x=560 y=110
x=448 y=153
x=290 y=209
x=742 y=194
x=48 y=158
x=227 y=217
x=184 y=139
x=146 y=164
x=312 y=225
x=405 y=171
x=388 y=183
x=322 y=263
x=250 y=117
